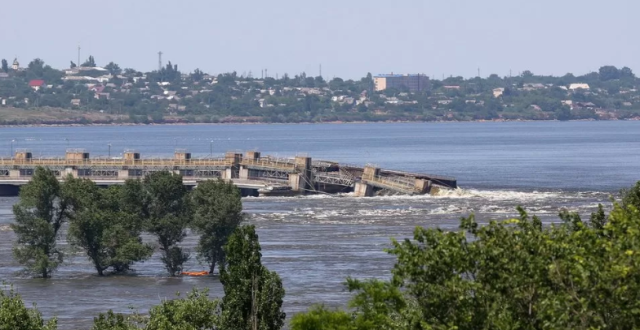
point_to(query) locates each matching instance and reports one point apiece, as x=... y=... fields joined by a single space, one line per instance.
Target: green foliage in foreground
x=218 y=212
x=195 y=312
x=252 y=294
x=513 y=274
x=39 y=215
x=14 y=315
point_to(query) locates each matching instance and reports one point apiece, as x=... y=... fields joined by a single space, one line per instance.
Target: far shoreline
x=305 y=123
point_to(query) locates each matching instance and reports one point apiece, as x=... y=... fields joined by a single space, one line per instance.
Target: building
x=16 y=65
x=36 y=84
x=413 y=82
x=574 y=87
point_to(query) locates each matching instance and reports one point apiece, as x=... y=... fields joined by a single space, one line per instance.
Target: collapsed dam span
x=253 y=173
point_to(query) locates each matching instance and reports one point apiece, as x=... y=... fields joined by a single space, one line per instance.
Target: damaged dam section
x=253 y=173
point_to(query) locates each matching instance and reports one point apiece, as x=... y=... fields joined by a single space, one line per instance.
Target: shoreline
x=307 y=123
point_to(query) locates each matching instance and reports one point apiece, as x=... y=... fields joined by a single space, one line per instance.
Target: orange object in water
x=203 y=273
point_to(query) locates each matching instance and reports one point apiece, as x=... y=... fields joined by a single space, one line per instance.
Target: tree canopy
x=39 y=215
x=104 y=226
x=217 y=213
x=14 y=315
x=167 y=213
x=252 y=294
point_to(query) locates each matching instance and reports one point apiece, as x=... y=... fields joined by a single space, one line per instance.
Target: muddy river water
x=315 y=242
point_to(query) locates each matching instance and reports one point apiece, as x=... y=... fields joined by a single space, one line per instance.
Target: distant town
x=88 y=93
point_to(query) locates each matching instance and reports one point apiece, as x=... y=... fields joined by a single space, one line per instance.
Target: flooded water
x=315 y=242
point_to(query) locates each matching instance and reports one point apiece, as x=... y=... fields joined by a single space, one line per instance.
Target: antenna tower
x=159 y=61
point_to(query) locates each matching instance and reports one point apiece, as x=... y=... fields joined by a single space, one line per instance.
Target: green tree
x=39 y=215
x=321 y=318
x=113 y=321
x=195 y=312
x=72 y=65
x=102 y=224
x=113 y=68
x=89 y=63
x=5 y=66
x=218 y=212
x=14 y=315
x=167 y=214
x=197 y=75
x=35 y=69
x=253 y=294
x=609 y=72
x=626 y=73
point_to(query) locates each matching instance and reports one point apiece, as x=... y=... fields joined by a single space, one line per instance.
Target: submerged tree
x=167 y=215
x=39 y=215
x=14 y=315
x=218 y=212
x=102 y=225
x=253 y=294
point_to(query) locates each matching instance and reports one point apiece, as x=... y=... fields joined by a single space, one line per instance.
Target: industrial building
x=413 y=82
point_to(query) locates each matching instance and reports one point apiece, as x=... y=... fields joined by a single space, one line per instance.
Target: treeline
x=170 y=95
x=107 y=223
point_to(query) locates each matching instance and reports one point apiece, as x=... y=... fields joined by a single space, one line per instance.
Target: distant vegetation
x=110 y=94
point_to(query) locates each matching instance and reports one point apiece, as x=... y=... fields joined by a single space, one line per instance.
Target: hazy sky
x=348 y=37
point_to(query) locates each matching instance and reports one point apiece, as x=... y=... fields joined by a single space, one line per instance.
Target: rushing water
x=315 y=242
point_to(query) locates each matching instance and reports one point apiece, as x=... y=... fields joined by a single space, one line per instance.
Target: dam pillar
x=227 y=174
x=14 y=173
x=123 y=174
x=301 y=181
x=69 y=171
x=244 y=171
x=422 y=186
x=233 y=161
x=296 y=182
x=363 y=190
x=370 y=172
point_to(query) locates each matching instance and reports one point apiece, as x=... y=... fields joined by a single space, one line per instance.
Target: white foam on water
x=497 y=195
x=5 y=228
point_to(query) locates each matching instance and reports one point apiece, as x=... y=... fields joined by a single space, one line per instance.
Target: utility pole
x=109 y=150
x=211 y=149
x=320 y=70
x=478 y=72
x=78 y=64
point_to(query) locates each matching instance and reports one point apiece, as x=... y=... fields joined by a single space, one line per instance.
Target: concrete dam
x=253 y=173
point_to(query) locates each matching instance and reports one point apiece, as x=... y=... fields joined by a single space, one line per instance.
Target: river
x=315 y=242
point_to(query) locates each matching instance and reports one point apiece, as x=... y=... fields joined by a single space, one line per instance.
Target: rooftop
x=391 y=75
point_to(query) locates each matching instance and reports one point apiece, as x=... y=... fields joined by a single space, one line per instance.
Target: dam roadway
x=254 y=174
